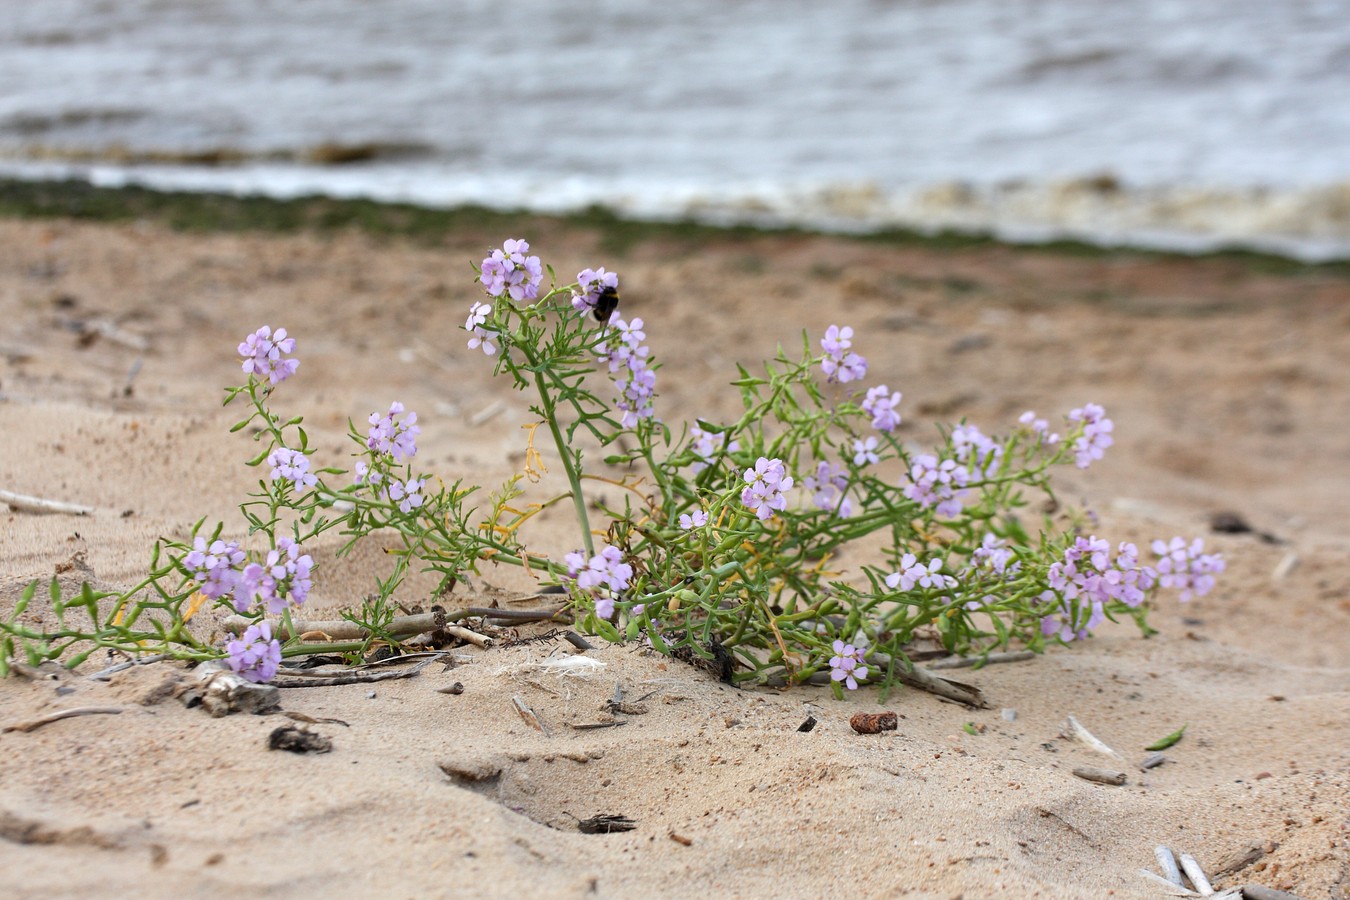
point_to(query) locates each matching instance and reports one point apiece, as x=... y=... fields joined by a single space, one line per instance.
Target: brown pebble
x=873 y=723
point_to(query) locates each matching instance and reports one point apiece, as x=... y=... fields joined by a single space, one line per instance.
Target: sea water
x=1182 y=124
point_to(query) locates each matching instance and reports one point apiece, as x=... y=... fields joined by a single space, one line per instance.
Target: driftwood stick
x=1195 y=874
x=343 y=630
x=519 y=615
x=1260 y=892
x=963 y=662
x=1101 y=776
x=921 y=678
x=472 y=637
x=105 y=674
x=42 y=506
x=1174 y=890
x=64 y=714
x=354 y=677
x=1168 y=863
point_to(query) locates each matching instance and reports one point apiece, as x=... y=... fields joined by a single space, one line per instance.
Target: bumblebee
x=606 y=303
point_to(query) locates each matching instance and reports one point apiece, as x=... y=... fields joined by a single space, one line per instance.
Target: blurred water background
x=1183 y=124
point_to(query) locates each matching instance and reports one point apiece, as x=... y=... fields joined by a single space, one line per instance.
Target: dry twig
x=64 y=714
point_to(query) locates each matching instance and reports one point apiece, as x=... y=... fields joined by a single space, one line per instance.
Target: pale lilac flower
x=293 y=466
x=509 y=271
x=995 y=555
x=865 y=451
x=1086 y=580
x=847 y=665
x=697 y=519
x=603 y=576
x=913 y=573
x=838 y=363
x=1039 y=427
x=591 y=285
x=765 y=484
x=1096 y=435
x=283 y=579
x=976 y=450
x=478 y=335
x=366 y=475
x=828 y=486
x=880 y=405
x=707 y=444
x=938 y=484
x=256 y=655
x=1187 y=567
x=262 y=352
x=395 y=438
x=628 y=364
x=407 y=494
x=215 y=567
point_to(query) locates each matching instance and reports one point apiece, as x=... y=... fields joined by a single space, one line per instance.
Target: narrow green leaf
x=1165 y=742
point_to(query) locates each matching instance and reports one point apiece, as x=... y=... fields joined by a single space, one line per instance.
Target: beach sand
x=1228 y=389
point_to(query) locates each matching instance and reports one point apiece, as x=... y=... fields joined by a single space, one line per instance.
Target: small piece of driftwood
x=1239 y=860
x=343 y=630
x=965 y=694
x=1260 y=892
x=528 y=714
x=1100 y=776
x=472 y=637
x=35 y=724
x=352 y=677
x=591 y=726
x=32 y=673
x=1153 y=760
x=1074 y=729
x=105 y=674
x=42 y=506
x=224 y=692
x=964 y=662
x=518 y=615
x=1168 y=863
x=1196 y=874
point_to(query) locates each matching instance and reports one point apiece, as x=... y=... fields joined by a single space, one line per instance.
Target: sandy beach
x=1226 y=381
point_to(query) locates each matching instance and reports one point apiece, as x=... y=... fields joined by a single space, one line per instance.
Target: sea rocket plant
x=692 y=538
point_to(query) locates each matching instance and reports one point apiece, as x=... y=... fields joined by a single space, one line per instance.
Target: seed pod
x=873 y=723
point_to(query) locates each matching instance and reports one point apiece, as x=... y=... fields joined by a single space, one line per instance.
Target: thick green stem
x=573 y=475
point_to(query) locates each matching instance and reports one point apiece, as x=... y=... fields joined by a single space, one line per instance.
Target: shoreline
x=210 y=212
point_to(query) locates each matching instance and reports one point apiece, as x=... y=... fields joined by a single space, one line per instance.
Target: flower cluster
x=262 y=352
x=510 y=272
x=281 y=580
x=880 y=404
x=707 y=444
x=215 y=568
x=913 y=573
x=1039 y=427
x=630 y=367
x=979 y=453
x=255 y=655
x=592 y=286
x=1085 y=580
x=1096 y=436
x=480 y=337
x=604 y=576
x=293 y=466
x=994 y=554
x=847 y=665
x=389 y=436
x=1187 y=567
x=407 y=494
x=828 y=486
x=840 y=363
x=765 y=484
x=940 y=484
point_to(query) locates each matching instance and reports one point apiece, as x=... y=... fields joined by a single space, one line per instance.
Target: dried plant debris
x=718 y=660
x=605 y=824
x=873 y=723
x=298 y=740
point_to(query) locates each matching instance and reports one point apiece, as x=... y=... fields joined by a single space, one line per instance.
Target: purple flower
x=1085 y=580
x=216 y=567
x=938 y=484
x=847 y=665
x=256 y=655
x=838 y=363
x=293 y=466
x=765 y=484
x=591 y=284
x=407 y=494
x=828 y=486
x=980 y=453
x=1096 y=436
x=509 y=271
x=478 y=335
x=881 y=407
x=283 y=579
x=996 y=556
x=865 y=451
x=1187 y=567
x=262 y=352
x=366 y=475
x=603 y=576
x=697 y=519
x=389 y=436
x=913 y=573
x=1039 y=427
x=628 y=364
x=707 y=444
